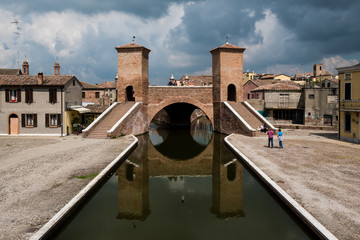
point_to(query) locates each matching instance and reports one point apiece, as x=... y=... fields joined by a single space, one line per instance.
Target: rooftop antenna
x=133 y=40
x=16 y=22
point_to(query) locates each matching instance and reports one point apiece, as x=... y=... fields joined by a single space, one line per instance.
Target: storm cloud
x=279 y=36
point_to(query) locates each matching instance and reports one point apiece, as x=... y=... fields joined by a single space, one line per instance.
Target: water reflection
x=182 y=144
x=208 y=196
x=215 y=161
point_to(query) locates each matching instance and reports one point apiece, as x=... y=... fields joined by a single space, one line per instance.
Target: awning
x=80 y=109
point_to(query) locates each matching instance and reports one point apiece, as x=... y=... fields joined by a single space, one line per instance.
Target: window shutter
x=18 y=95
x=59 y=120
x=7 y=95
x=35 y=120
x=23 y=120
x=27 y=95
x=31 y=99
x=46 y=120
x=55 y=96
x=50 y=92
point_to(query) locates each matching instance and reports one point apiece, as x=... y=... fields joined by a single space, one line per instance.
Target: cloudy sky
x=280 y=36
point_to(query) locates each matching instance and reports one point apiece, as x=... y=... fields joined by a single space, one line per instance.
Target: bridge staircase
x=107 y=121
x=250 y=116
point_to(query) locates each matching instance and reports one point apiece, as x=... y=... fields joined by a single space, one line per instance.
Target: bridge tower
x=133 y=73
x=227 y=71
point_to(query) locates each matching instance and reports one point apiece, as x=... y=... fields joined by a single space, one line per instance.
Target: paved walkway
x=39 y=175
x=317 y=170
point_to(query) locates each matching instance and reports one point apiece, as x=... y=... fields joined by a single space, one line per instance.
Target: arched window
x=231 y=92
x=130 y=94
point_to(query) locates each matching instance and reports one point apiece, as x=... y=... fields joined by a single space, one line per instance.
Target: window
x=311 y=96
x=347 y=91
x=347 y=76
x=52 y=120
x=52 y=95
x=83 y=94
x=97 y=94
x=13 y=95
x=29 y=120
x=347 y=123
x=284 y=100
x=29 y=95
x=73 y=82
x=328 y=84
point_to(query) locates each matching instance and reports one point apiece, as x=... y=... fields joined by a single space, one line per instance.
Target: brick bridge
x=138 y=103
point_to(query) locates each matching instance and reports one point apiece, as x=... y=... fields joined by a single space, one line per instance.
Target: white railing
x=117 y=124
x=260 y=116
x=100 y=117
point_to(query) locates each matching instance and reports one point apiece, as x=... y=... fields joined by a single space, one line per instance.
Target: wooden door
x=14 y=126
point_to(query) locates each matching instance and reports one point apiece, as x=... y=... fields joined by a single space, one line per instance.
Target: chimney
x=25 y=68
x=40 y=78
x=57 y=68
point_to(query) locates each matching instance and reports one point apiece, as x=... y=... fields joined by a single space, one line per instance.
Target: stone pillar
x=133 y=71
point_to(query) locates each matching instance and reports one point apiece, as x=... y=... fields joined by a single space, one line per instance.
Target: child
x=279 y=138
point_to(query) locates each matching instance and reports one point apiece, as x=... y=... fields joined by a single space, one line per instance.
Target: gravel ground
x=320 y=172
x=39 y=175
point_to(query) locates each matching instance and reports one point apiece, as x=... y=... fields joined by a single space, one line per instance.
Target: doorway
x=14 y=124
x=231 y=91
x=130 y=94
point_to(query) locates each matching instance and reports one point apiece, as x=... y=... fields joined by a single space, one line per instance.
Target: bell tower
x=133 y=73
x=25 y=68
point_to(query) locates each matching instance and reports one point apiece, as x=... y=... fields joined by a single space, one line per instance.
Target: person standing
x=280 y=138
x=270 y=134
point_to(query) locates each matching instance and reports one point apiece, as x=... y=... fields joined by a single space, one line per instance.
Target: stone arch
x=13 y=124
x=206 y=108
x=231 y=92
x=129 y=93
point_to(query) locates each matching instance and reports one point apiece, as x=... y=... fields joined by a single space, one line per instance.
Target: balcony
x=349 y=105
x=282 y=105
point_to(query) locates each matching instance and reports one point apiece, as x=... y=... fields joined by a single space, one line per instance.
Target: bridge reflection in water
x=199 y=195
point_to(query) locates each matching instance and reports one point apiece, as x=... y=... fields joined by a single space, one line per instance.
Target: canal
x=183 y=184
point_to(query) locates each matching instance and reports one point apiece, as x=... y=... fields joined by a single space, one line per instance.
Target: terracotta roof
x=9 y=71
x=131 y=45
x=32 y=80
x=90 y=85
x=198 y=79
x=96 y=108
x=229 y=46
x=107 y=84
x=277 y=86
x=260 y=82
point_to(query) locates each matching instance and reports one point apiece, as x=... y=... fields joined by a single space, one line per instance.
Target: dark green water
x=183 y=185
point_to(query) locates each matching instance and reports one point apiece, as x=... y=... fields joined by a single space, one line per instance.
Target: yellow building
x=349 y=103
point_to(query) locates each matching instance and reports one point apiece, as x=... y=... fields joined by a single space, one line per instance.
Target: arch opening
x=231 y=93
x=191 y=131
x=130 y=94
